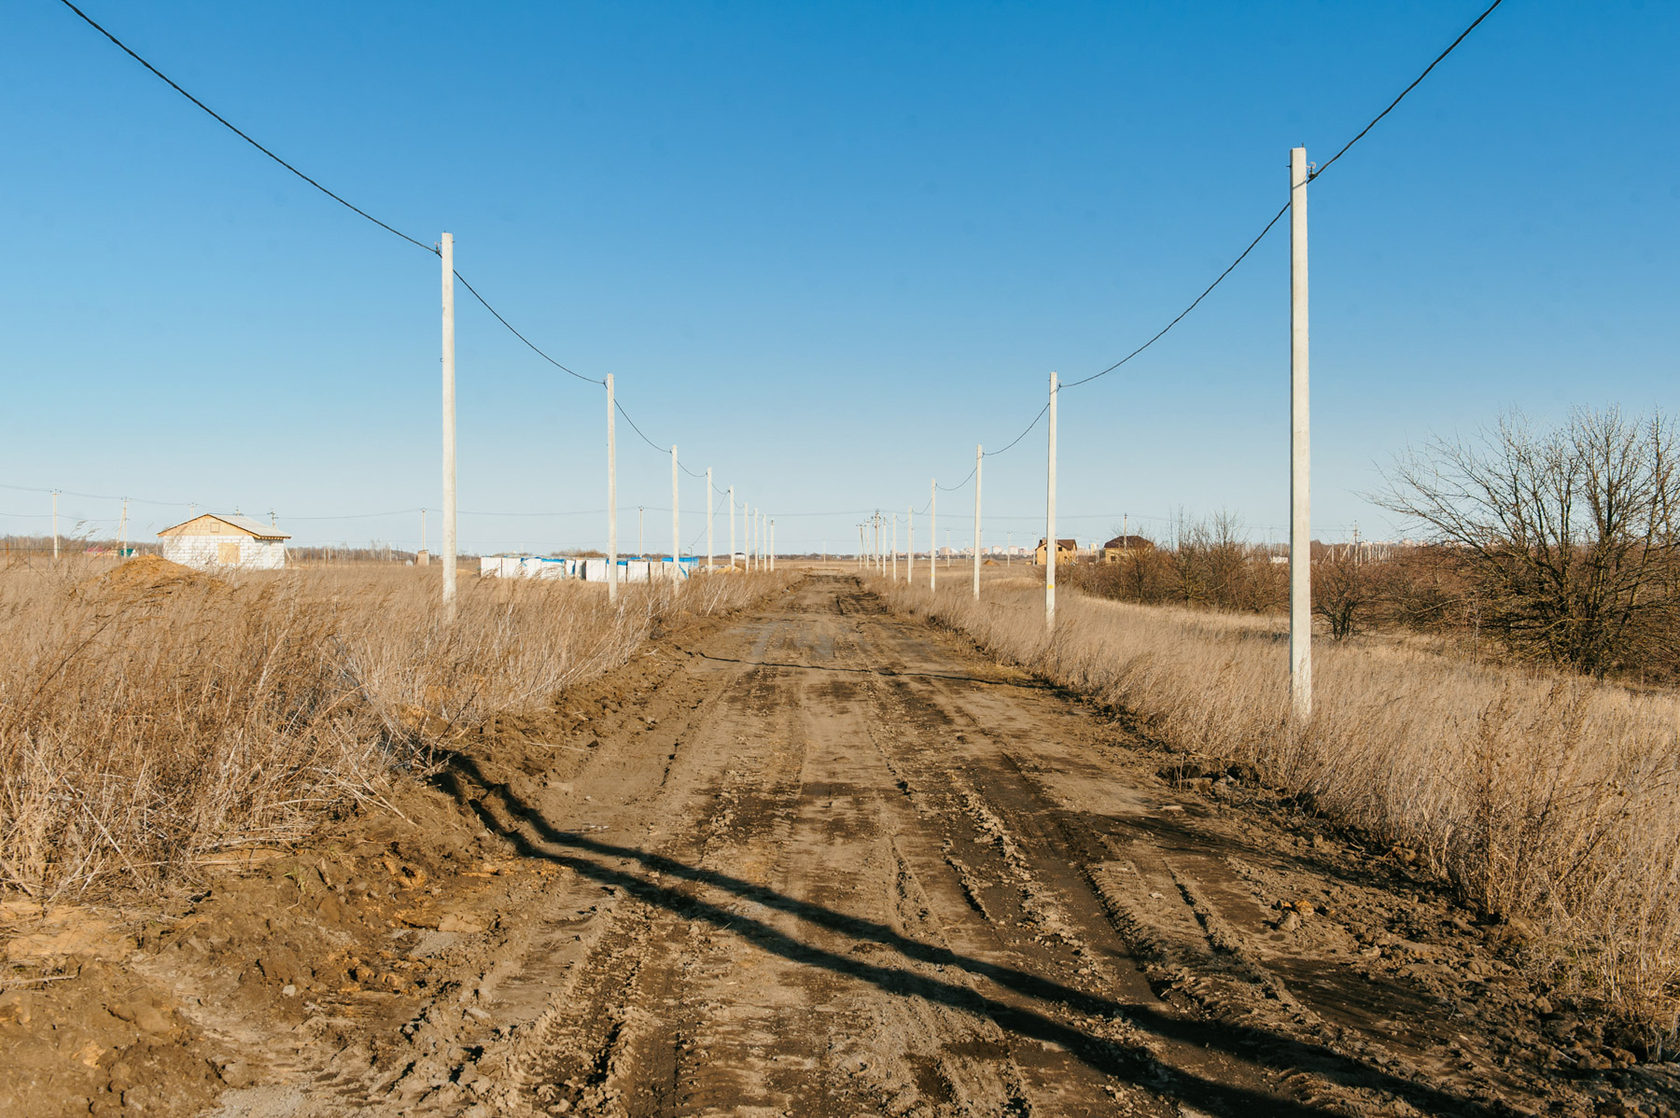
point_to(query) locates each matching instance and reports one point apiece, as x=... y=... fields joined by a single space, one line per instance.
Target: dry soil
x=815 y=860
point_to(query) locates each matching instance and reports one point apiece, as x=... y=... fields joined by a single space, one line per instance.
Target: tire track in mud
x=856 y=869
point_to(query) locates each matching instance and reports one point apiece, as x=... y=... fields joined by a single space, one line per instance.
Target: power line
x=340 y=199
x=959 y=485
x=638 y=430
x=1279 y=215
x=1193 y=305
x=1450 y=48
x=517 y=334
x=225 y=123
x=1022 y=435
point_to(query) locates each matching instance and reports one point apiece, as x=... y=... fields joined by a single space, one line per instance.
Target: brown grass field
x=151 y=715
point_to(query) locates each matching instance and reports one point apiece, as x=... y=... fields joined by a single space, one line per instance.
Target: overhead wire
x=1313 y=174
x=533 y=346
x=231 y=127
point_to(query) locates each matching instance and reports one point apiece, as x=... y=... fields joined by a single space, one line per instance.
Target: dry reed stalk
x=1548 y=800
x=149 y=715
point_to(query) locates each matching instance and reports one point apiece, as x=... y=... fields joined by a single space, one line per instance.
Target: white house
x=214 y=540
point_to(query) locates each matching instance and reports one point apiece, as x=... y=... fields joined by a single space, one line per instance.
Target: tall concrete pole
x=910 y=547
x=979 y=454
x=1050 y=518
x=772 y=547
x=1300 y=470
x=933 y=533
x=731 y=500
x=763 y=539
x=895 y=547
x=676 y=541
x=612 y=496
x=708 y=518
x=447 y=251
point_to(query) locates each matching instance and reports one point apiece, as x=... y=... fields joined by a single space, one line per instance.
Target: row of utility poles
x=871 y=553
x=1300 y=501
x=760 y=532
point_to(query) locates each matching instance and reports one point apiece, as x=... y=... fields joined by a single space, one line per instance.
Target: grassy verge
x=1551 y=802
x=149 y=715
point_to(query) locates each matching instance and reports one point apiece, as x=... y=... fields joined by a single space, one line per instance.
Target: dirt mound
x=147 y=576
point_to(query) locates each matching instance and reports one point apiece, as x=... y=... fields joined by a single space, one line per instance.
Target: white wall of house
x=207 y=553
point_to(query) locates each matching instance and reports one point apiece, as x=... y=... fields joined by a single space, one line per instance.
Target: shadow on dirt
x=506 y=814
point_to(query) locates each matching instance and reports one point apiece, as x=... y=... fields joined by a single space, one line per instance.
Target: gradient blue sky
x=826 y=248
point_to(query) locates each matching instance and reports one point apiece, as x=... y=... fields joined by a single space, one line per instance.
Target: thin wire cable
x=340 y=199
x=1462 y=36
x=959 y=485
x=1022 y=435
x=1193 y=305
x=517 y=334
x=1279 y=215
x=225 y=123
x=638 y=430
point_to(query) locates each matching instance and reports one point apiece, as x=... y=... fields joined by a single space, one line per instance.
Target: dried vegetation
x=1550 y=800
x=150 y=715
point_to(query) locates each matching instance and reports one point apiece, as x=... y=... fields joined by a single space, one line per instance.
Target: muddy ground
x=812 y=860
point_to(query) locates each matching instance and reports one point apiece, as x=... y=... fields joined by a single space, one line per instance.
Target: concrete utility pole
x=860 y=545
x=421 y=557
x=762 y=540
x=122 y=531
x=1050 y=518
x=447 y=252
x=910 y=547
x=1300 y=465
x=895 y=547
x=55 y=524
x=933 y=533
x=676 y=541
x=708 y=518
x=772 y=547
x=641 y=551
x=979 y=454
x=731 y=528
x=612 y=496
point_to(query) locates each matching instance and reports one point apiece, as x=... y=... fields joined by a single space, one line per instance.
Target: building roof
x=1129 y=543
x=1063 y=544
x=245 y=524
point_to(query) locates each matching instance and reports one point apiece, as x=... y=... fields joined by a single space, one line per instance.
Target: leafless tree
x=1567 y=536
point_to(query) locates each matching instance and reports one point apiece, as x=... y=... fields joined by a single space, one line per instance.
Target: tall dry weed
x=1549 y=800
x=149 y=715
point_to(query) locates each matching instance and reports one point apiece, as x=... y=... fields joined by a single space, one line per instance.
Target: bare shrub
x=1545 y=798
x=1568 y=535
x=149 y=715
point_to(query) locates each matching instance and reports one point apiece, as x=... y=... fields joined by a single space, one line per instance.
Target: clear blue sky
x=825 y=248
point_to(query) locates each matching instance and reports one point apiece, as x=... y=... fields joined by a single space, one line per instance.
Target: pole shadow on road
x=500 y=810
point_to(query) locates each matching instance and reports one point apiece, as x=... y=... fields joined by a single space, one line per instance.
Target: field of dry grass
x=1550 y=801
x=150 y=716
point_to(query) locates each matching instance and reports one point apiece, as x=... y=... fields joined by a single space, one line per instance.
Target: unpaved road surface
x=823 y=860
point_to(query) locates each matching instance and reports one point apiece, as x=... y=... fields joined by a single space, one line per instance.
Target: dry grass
x=149 y=715
x=1549 y=800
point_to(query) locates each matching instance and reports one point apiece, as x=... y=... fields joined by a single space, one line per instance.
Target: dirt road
x=836 y=863
x=822 y=860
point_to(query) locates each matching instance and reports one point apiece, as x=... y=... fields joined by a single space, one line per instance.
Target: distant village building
x=1067 y=551
x=216 y=540
x=1123 y=547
